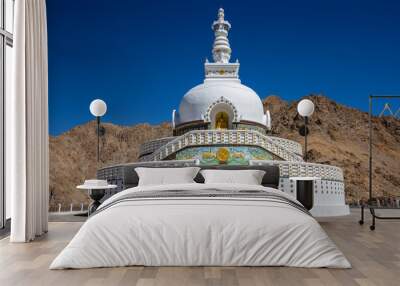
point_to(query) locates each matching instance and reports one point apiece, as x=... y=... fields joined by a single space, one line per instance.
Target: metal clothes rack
x=371 y=201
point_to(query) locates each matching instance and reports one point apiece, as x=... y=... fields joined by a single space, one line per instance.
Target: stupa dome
x=240 y=101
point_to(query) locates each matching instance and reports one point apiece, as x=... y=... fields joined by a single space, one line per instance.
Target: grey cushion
x=270 y=179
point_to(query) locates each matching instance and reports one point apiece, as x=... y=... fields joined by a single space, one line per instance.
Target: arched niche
x=223 y=111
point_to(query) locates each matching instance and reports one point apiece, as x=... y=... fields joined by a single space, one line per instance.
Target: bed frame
x=124 y=175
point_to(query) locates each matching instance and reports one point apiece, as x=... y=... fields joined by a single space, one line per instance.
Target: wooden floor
x=375 y=257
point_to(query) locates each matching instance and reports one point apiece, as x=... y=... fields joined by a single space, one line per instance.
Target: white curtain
x=27 y=124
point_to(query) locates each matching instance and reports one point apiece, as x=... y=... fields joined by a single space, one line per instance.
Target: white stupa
x=222 y=121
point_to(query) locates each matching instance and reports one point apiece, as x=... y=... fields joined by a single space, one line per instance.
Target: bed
x=202 y=224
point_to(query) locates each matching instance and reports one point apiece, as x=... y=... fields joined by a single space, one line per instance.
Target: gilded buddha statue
x=221 y=120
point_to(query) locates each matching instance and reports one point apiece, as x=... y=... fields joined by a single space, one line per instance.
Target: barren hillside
x=338 y=136
x=73 y=155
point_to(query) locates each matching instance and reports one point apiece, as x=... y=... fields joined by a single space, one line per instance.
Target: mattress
x=201 y=225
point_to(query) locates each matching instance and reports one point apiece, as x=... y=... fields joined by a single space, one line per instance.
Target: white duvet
x=200 y=231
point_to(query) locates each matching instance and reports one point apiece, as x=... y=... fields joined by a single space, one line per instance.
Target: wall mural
x=229 y=155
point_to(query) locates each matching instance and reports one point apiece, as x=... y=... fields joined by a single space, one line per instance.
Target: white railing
x=303 y=169
x=292 y=146
x=151 y=146
x=69 y=208
x=221 y=137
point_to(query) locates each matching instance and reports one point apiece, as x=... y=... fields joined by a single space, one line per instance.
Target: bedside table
x=305 y=190
x=96 y=190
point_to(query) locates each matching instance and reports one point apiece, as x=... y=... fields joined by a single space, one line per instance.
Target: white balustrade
x=215 y=137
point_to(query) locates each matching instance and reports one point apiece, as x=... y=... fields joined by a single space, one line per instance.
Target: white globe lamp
x=305 y=108
x=98 y=108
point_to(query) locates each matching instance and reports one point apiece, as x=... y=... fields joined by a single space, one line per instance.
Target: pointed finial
x=221 y=14
x=221 y=49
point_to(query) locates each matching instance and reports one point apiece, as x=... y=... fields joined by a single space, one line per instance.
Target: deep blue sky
x=142 y=56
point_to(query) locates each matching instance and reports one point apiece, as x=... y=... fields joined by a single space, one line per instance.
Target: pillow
x=166 y=176
x=248 y=177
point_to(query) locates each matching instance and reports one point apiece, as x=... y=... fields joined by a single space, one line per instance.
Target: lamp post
x=305 y=108
x=98 y=108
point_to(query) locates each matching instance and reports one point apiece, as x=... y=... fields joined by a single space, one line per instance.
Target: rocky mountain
x=73 y=156
x=338 y=136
